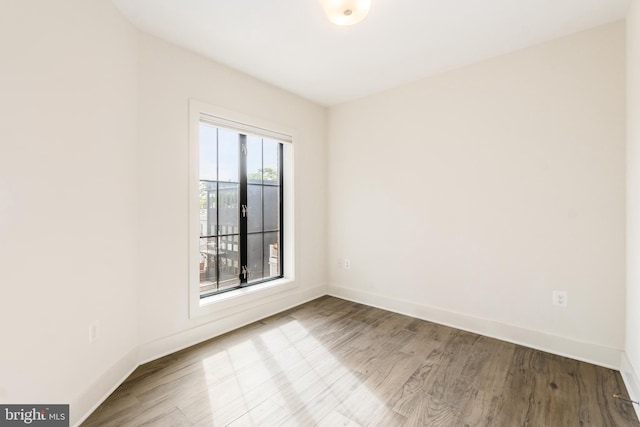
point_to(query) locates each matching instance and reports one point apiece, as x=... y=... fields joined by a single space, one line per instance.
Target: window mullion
x=264 y=273
x=243 y=217
x=217 y=260
x=281 y=208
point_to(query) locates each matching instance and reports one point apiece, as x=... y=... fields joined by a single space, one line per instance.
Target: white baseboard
x=562 y=346
x=631 y=381
x=167 y=345
x=87 y=402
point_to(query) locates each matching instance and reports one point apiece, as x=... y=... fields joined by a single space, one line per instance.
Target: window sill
x=242 y=297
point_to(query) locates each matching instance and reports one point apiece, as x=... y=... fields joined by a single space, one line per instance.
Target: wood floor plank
x=336 y=419
x=371 y=396
x=553 y=391
x=303 y=389
x=174 y=418
x=447 y=381
x=596 y=407
x=332 y=362
x=481 y=410
x=266 y=414
x=315 y=409
x=243 y=392
x=313 y=412
x=386 y=417
x=425 y=337
x=134 y=416
x=489 y=366
x=295 y=382
x=406 y=399
x=118 y=403
x=516 y=397
x=222 y=415
x=432 y=412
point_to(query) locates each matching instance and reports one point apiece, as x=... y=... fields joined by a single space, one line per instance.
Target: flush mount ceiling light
x=346 y=12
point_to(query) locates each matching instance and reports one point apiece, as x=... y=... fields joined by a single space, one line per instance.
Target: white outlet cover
x=560 y=298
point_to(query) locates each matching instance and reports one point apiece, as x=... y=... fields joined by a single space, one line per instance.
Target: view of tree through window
x=240 y=197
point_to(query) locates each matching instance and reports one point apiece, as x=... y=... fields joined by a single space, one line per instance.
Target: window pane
x=207 y=153
x=229 y=261
x=222 y=250
x=208 y=208
x=208 y=276
x=228 y=208
x=271 y=255
x=254 y=208
x=254 y=160
x=271 y=207
x=254 y=256
x=228 y=152
x=270 y=161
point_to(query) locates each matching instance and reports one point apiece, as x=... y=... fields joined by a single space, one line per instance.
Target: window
x=240 y=200
x=222 y=236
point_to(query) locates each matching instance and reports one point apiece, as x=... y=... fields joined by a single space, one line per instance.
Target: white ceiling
x=290 y=43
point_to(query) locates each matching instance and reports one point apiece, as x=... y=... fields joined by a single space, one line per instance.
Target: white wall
x=68 y=199
x=631 y=366
x=169 y=76
x=93 y=197
x=467 y=197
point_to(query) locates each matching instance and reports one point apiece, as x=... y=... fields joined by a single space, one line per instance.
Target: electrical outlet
x=347 y=264
x=93 y=332
x=560 y=298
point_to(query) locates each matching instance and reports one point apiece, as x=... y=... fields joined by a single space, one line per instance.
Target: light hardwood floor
x=334 y=363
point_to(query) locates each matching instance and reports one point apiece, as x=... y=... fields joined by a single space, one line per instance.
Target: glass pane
x=208 y=275
x=270 y=161
x=254 y=208
x=229 y=261
x=207 y=153
x=254 y=160
x=254 y=256
x=228 y=152
x=271 y=255
x=271 y=207
x=208 y=214
x=228 y=211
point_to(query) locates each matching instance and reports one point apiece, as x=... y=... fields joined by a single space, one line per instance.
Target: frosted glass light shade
x=346 y=12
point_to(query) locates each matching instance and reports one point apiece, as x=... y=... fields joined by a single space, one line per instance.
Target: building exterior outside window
x=240 y=208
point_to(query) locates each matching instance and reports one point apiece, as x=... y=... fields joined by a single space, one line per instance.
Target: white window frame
x=224 y=304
